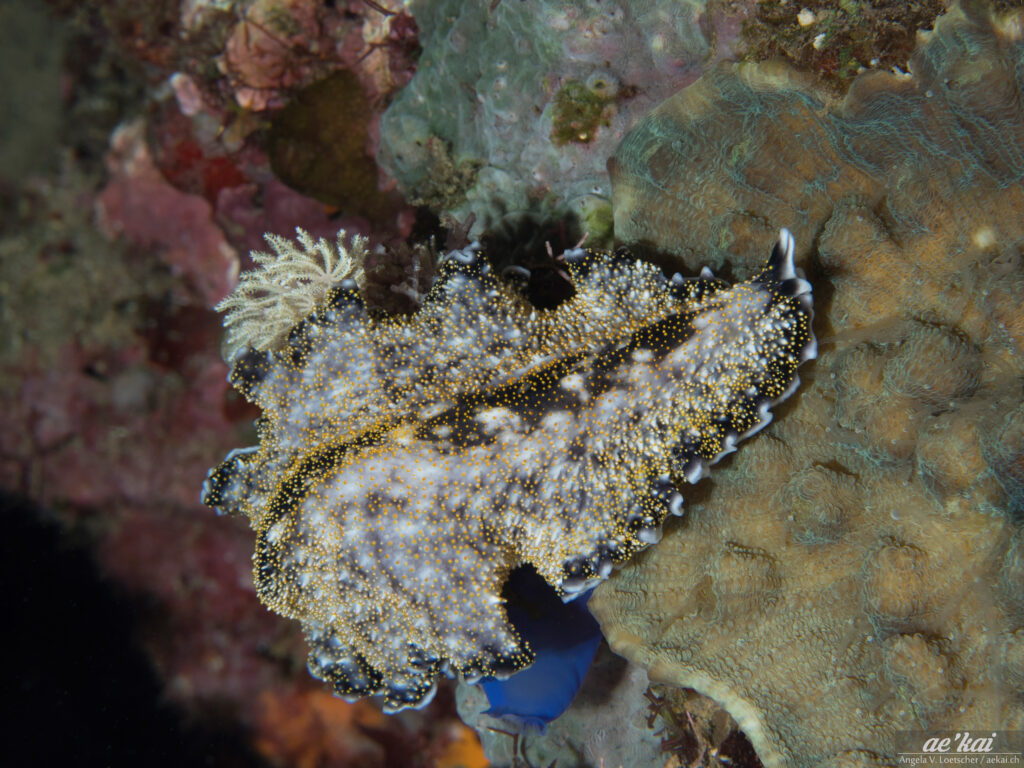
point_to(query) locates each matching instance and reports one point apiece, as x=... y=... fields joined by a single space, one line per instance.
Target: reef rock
x=516 y=105
x=860 y=570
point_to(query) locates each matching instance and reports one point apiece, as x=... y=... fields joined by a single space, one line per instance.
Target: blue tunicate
x=564 y=637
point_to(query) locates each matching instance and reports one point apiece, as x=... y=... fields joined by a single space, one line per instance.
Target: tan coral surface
x=860 y=569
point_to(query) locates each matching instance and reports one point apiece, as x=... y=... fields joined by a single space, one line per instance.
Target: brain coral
x=859 y=570
x=406 y=465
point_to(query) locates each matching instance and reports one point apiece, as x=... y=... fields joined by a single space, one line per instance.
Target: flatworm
x=407 y=465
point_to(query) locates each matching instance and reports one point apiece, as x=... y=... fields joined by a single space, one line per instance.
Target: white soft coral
x=286 y=286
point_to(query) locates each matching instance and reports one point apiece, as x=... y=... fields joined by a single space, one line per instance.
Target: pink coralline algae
x=111 y=388
x=140 y=205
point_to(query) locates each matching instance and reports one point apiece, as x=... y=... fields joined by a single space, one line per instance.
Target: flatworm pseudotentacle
x=407 y=465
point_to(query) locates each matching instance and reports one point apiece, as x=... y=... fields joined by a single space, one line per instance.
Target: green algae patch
x=598 y=221
x=579 y=111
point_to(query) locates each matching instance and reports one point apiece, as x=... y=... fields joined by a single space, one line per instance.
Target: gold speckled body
x=406 y=465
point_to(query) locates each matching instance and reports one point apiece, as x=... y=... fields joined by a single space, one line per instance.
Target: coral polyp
x=406 y=465
x=287 y=286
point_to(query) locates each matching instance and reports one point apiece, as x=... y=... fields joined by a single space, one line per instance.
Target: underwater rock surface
x=860 y=569
x=406 y=465
x=517 y=105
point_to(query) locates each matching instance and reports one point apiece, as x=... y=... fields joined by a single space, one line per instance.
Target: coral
x=304 y=59
x=286 y=286
x=210 y=154
x=187 y=156
x=249 y=211
x=911 y=369
x=307 y=727
x=311 y=727
x=496 y=82
x=245 y=58
x=847 y=186
x=857 y=571
x=406 y=465
x=393 y=40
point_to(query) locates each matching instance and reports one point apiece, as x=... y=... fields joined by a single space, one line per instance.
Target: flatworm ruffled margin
x=407 y=465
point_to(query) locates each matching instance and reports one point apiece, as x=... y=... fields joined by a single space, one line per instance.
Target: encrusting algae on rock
x=857 y=571
x=407 y=464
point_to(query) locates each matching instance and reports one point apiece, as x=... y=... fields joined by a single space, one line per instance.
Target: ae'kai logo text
x=962 y=742
x=959 y=748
